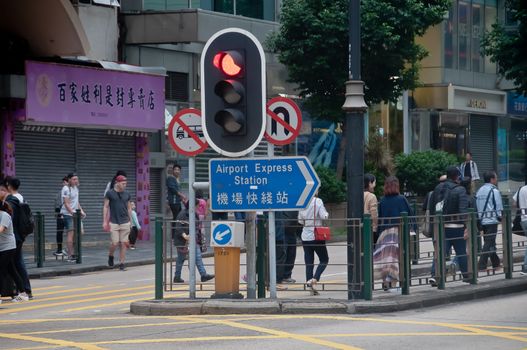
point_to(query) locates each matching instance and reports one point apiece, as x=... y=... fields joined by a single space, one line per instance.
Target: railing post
x=473 y=247
x=440 y=261
x=507 y=242
x=367 y=234
x=39 y=239
x=404 y=263
x=159 y=258
x=415 y=239
x=78 y=234
x=260 y=256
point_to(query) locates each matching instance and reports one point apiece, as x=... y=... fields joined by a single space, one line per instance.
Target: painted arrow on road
x=281 y=183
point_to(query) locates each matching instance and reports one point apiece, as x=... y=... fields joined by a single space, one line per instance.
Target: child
x=135 y=227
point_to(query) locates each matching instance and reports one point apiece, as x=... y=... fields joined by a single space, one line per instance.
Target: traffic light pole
x=354 y=106
x=272 y=240
x=192 y=227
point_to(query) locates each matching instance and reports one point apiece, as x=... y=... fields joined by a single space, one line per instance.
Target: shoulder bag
x=322 y=233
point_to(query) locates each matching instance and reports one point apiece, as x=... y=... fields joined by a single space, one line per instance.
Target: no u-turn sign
x=284 y=121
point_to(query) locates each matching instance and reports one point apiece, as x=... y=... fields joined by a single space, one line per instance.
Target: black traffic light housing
x=233 y=92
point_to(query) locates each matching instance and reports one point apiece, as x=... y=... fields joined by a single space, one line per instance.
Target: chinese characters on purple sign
x=94 y=97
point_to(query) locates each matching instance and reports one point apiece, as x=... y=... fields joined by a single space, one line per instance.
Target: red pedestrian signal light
x=233 y=92
x=230 y=62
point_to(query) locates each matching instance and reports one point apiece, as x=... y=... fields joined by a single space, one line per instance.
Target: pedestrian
x=386 y=254
x=310 y=218
x=370 y=203
x=60 y=220
x=181 y=238
x=292 y=232
x=136 y=227
x=111 y=183
x=175 y=196
x=490 y=210
x=453 y=201
x=70 y=204
x=8 y=251
x=280 y=249
x=117 y=218
x=201 y=212
x=469 y=171
x=14 y=202
x=520 y=201
x=13 y=184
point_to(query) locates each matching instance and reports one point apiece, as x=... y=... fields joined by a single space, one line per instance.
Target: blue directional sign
x=269 y=184
x=222 y=234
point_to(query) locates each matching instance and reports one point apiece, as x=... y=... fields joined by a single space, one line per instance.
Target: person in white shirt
x=520 y=201
x=12 y=186
x=469 y=172
x=70 y=203
x=310 y=218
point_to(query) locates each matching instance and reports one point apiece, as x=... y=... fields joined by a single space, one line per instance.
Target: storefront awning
x=51 y=27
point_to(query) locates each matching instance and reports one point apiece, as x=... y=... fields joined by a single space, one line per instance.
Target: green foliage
x=508 y=48
x=332 y=190
x=419 y=171
x=378 y=161
x=313 y=43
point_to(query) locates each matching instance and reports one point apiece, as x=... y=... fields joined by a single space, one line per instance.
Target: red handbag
x=322 y=233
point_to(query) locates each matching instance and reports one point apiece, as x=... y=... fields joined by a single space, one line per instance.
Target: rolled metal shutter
x=155 y=191
x=42 y=160
x=483 y=142
x=99 y=156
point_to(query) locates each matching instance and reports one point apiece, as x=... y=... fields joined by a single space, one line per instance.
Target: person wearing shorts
x=117 y=219
x=70 y=204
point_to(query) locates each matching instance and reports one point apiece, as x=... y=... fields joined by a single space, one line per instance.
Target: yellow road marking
x=479 y=331
x=48 y=287
x=179 y=340
x=65 y=291
x=63 y=343
x=36 y=347
x=90 y=329
x=36 y=307
x=281 y=334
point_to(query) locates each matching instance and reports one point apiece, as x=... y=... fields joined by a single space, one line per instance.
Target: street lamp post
x=354 y=106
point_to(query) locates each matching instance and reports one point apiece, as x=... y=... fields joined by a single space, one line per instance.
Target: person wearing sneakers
x=117 y=219
x=181 y=237
x=60 y=220
x=310 y=218
x=8 y=250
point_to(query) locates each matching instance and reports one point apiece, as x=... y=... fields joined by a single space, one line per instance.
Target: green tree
x=312 y=43
x=508 y=48
x=418 y=172
x=332 y=190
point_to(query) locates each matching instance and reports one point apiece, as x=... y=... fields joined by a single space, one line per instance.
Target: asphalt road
x=91 y=311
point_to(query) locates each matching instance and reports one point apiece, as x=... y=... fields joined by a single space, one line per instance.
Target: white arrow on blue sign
x=222 y=234
x=269 y=184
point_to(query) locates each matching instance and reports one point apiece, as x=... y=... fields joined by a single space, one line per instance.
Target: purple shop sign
x=93 y=97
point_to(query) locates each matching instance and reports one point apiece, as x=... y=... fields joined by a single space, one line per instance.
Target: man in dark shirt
x=455 y=207
x=117 y=218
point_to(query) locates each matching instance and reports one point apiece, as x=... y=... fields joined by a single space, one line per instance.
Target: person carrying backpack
x=452 y=200
x=19 y=229
x=490 y=210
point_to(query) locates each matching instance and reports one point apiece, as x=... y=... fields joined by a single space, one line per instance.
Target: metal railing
x=413 y=261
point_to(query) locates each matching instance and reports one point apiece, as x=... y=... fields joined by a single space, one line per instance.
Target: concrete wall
x=100 y=25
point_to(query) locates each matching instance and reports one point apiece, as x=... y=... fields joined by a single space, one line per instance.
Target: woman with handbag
x=181 y=237
x=314 y=242
x=371 y=203
x=386 y=254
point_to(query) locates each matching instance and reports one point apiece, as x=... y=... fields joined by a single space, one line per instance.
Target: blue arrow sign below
x=281 y=183
x=222 y=234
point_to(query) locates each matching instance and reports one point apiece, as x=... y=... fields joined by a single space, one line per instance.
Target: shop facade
x=86 y=120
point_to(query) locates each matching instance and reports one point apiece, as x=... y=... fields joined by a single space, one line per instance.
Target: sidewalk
x=296 y=300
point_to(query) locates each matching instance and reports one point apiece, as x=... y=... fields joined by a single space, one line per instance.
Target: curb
x=418 y=300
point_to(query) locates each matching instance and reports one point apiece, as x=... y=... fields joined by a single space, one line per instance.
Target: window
x=464 y=35
x=176 y=86
x=477 y=34
x=247 y=8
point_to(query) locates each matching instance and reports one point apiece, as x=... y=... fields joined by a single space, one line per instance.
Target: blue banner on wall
x=516 y=104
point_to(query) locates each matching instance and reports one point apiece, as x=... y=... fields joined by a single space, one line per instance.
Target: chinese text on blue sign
x=284 y=183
